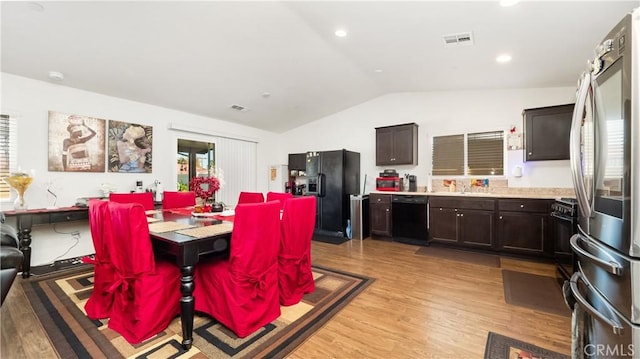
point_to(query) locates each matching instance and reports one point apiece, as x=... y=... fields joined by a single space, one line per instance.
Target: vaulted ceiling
x=283 y=63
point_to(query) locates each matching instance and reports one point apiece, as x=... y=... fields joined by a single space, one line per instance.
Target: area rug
x=534 y=291
x=489 y=260
x=329 y=239
x=58 y=301
x=501 y=347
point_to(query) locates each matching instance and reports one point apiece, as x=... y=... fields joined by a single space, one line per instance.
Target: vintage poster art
x=129 y=147
x=76 y=143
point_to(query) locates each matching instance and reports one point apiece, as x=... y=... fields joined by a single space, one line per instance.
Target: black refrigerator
x=332 y=176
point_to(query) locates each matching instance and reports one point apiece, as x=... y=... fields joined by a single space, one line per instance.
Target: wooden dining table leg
x=187 y=305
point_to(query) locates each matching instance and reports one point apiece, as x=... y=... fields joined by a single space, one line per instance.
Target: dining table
x=188 y=237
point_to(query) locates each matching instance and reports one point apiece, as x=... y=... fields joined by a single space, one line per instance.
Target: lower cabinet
x=524 y=226
x=476 y=228
x=380 y=214
x=519 y=226
x=465 y=222
x=443 y=224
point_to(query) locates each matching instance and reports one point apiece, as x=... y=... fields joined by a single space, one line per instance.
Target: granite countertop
x=478 y=194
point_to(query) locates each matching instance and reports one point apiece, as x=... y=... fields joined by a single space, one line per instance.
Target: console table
x=26 y=219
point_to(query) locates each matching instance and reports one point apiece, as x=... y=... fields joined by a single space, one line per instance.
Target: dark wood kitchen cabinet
x=546 y=132
x=397 y=145
x=297 y=161
x=524 y=226
x=462 y=221
x=380 y=214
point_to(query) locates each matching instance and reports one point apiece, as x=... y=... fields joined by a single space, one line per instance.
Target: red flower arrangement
x=204 y=187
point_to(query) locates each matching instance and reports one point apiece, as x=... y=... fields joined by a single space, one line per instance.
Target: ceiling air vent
x=461 y=39
x=239 y=108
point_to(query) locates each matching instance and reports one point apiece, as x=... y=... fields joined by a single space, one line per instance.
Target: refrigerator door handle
x=615 y=325
x=574 y=145
x=610 y=265
x=321 y=182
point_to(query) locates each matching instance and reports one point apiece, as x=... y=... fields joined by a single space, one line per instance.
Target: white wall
x=436 y=113
x=31 y=100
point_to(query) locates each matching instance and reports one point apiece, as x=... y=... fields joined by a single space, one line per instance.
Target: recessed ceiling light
x=504 y=58
x=56 y=76
x=266 y=95
x=377 y=71
x=341 y=33
x=508 y=2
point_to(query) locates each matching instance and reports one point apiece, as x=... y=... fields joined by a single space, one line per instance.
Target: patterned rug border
x=67 y=339
x=498 y=347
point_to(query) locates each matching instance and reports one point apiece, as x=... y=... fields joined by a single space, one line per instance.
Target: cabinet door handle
x=387 y=209
x=455 y=209
x=522 y=206
x=461 y=214
x=500 y=217
x=530 y=153
x=441 y=208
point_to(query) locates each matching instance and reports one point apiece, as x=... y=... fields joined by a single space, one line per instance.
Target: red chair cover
x=279 y=196
x=294 y=261
x=250 y=197
x=144 y=198
x=172 y=199
x=242 y=292
x=98 y=306
x=147 y=292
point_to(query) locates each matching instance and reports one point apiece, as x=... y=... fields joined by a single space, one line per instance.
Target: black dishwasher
x=409 y=219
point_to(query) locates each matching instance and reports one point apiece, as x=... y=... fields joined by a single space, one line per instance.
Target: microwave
x=388 y=184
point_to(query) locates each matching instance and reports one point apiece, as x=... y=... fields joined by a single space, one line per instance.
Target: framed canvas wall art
x=76 y=143
x=130 y=147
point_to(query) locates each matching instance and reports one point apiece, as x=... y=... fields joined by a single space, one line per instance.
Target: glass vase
x=20 y=204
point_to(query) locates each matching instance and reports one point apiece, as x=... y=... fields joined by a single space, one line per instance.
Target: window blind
x=448 y=155
x=238 y=160
x=485 y=151
x=8 y=149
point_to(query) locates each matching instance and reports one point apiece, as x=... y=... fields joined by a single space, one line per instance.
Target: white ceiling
x=202 y=57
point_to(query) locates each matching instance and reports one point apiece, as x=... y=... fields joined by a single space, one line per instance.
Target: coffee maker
x=413 y=185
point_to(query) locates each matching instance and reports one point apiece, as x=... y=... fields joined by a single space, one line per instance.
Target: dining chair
x=144 y=198
x=99 y=304
x=250 y=197
x=279 y=196
x=294 y=260
x=241 y=292
x=147 y=291
x=179 y=199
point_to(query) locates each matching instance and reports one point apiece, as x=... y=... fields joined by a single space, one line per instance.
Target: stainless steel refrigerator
x=332 y=176
x=604 y=291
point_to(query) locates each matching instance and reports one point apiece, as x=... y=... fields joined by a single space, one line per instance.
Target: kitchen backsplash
x=497 y=186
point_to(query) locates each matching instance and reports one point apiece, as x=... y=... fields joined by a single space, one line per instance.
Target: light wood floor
x=418 y=307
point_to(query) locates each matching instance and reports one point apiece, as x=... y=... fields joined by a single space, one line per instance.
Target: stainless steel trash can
x=359 y=216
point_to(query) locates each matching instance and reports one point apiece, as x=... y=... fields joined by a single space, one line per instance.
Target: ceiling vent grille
x=239 y=108
x=461 y=39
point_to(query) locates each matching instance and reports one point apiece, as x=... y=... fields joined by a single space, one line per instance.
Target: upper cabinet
x=546 y=132
x=297 y=161
x=397 y=145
